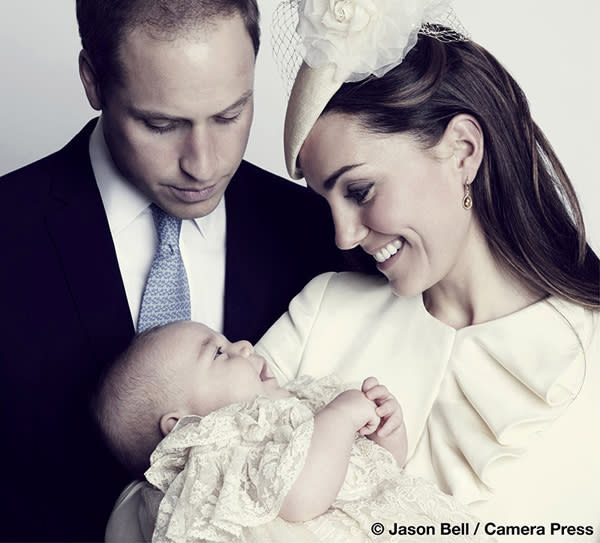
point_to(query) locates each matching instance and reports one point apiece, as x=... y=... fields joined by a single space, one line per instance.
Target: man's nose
x=199 y=154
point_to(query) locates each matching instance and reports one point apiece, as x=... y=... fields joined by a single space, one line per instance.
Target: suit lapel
x=79 y=229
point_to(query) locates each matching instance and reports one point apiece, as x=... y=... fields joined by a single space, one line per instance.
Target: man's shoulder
x=38 y=171
x=32 y=182
x=14 y=179
x=252 y=178
x=280 y=200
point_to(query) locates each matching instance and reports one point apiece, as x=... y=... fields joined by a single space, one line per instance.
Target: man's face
x=178 y=123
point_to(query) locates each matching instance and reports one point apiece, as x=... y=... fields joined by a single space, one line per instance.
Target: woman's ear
x=168 y=422
x=89 y=78
x=465 y=138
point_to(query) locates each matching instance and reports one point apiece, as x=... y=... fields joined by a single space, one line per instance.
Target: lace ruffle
x=228 y=470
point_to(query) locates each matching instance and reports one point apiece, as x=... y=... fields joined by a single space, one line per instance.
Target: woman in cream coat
x=485 y=325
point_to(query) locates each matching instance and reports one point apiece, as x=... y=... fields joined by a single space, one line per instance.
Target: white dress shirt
x=202 y=240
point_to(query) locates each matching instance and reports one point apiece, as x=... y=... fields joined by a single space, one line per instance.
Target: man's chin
x=198 y=210
x=190 y=210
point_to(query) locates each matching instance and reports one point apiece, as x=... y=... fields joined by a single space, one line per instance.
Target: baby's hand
x=391 y=432
x=361 y=411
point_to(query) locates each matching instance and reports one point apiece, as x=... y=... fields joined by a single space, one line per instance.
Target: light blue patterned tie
x=166 y=296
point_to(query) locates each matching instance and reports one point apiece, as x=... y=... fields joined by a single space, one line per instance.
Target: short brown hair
x=104 y=23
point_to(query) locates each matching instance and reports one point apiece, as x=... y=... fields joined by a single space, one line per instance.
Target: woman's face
x=402 y=204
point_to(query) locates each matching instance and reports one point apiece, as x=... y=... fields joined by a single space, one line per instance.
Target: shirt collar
x=124 y=202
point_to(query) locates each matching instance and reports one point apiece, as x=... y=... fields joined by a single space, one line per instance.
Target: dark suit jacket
x=65 y=316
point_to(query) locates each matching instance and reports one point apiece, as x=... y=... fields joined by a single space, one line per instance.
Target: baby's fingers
x=368 y=384
x=388 y=408
x=391 y=417
x=370 y=426
x=389 y=427
x=378 y=394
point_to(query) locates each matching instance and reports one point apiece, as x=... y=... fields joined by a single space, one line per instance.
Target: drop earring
x=467 y=200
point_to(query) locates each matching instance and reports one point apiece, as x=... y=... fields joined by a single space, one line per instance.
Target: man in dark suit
x=174 y=82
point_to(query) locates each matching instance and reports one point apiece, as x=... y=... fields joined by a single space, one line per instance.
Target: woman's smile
x=387 y=252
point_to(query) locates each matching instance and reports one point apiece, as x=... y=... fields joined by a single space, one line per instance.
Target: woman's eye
x=359 y=194
x=219 y=352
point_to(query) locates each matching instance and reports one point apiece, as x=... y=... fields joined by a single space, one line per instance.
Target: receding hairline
x=188 y=28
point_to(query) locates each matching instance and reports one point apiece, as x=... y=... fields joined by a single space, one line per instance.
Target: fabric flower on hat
x=362 y=37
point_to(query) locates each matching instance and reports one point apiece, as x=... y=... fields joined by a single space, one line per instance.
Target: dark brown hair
x=522 y=196
x=104 y=23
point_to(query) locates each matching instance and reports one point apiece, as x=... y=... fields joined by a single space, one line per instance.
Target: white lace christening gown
x=224 y=478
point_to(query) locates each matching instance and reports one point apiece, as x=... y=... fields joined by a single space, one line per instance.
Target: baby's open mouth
x=265 y=373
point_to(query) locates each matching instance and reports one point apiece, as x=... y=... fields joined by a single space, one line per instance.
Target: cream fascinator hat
x=338 y=41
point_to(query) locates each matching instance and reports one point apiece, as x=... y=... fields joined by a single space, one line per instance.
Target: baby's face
x=211 y=371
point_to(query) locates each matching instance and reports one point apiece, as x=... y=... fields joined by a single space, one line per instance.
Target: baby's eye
x=218 y=352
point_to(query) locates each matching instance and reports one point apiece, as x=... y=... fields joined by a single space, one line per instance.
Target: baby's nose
x=243 y=348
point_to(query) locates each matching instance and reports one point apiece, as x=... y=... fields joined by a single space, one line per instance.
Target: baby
x=239 y=457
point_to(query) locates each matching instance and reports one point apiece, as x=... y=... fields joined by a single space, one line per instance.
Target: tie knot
x=167 y=228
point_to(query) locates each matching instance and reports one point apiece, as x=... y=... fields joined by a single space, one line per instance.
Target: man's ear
x=168 y=422
x=465 y=138
x=90 y=81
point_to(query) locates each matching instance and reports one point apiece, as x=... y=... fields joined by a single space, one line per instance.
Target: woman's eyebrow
x=330 y=182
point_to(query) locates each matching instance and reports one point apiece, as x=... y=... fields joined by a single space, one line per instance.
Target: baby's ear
x=168 y=422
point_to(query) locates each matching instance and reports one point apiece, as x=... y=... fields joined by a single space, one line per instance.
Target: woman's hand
x=391 y=432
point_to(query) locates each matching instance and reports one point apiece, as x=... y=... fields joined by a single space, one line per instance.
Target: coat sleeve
x=283 y=344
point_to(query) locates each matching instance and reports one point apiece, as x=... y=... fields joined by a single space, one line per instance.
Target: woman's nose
x=349 y=229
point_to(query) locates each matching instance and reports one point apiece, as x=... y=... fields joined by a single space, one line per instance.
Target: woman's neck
x=477 y=289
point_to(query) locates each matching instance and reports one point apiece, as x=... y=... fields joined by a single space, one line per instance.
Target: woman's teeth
x=388 y=251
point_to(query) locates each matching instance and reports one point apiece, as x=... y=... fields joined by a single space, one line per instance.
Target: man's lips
x=192 y=196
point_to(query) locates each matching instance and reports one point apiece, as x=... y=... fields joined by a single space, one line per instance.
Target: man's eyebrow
x=330 y=182
x=149 y=114
x=238 y=103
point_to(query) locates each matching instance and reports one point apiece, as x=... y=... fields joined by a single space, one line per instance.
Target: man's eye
x=160 y=128
x=228 y=119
